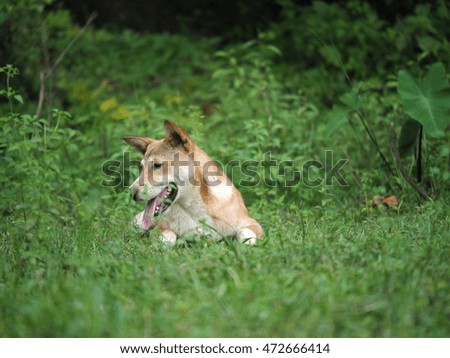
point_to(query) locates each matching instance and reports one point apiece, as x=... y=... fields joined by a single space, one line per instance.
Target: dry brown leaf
x=387 y=200
x=390 y=200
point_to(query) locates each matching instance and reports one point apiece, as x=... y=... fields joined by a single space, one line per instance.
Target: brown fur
x=199 y=198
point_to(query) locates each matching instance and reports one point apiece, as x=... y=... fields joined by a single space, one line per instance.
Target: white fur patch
x=223 y=191
x=247 y=236
x=168 y=237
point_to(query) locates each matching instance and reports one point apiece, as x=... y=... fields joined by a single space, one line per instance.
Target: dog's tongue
x=149 y=211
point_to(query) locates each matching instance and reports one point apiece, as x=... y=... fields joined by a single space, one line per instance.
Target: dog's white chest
x=191 y=221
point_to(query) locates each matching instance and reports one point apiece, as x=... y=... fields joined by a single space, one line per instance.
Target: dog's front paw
x=247 y=236
x=249 y=240
x=168 y=237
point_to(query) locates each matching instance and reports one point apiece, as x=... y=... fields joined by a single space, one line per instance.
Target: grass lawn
x=318 y=273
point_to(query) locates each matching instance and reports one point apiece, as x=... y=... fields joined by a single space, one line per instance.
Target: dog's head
x=167 y=169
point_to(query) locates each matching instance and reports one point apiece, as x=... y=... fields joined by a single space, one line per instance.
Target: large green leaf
x=427 y=101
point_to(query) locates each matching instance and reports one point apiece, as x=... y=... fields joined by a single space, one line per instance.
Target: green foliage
x=427 y=101
x=408 y=136
x=20 y=25
x=34 y=179
x=332 y=44
x=10 y=72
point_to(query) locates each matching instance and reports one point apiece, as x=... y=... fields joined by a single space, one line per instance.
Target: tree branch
x=48 y=71
x=374 y=141
x=64 y=52
x=41 y=96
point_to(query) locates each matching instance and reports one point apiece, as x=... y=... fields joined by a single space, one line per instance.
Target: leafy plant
x=10 y=71
x=36 y=192
x=427 y=101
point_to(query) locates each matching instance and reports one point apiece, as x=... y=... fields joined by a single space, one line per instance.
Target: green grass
x=324 y=273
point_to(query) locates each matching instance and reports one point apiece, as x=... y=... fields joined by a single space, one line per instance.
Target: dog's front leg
x=168 y=236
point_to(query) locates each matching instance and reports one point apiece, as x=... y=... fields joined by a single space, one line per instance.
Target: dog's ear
x=176 y=136
x=140 y=143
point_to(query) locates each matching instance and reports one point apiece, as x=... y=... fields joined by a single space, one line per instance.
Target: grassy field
x=318 y=273
x=330 y=264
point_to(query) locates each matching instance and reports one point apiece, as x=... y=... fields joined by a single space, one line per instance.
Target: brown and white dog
x=186 y=192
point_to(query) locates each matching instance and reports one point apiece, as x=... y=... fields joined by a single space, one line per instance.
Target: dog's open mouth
x=159 y=204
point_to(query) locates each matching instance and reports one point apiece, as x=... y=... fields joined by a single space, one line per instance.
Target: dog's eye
x=157 y=165
x=140 y=167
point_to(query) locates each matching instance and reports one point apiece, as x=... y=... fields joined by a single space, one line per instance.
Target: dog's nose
x=136 y=196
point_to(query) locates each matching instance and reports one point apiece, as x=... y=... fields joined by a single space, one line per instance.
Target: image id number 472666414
x=297 y=348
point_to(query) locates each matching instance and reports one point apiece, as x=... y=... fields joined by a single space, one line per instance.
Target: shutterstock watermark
x=267 y=171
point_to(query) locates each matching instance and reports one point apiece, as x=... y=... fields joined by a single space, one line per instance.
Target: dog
x=187 y=194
